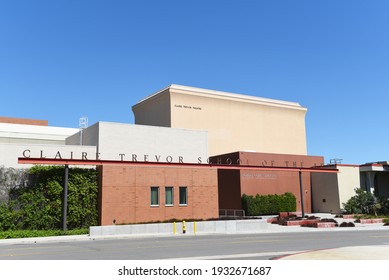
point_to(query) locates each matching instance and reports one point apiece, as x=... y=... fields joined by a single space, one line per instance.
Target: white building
x=128 y=142
x=103 y=140
x=15 y=138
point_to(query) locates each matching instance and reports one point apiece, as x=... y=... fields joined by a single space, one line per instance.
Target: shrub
x=40 y=233
x=268 y=204
x=325 y=220
x=384 y=205
x=346 y=224
x=362 y=203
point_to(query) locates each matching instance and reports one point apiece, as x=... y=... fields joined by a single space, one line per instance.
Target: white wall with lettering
x=117 y=141
x=128 y=142
x=9 y=153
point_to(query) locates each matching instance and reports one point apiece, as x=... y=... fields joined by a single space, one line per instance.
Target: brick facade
x=124 y=195
x=23 y=121
x=125 y=190
x=233 y=184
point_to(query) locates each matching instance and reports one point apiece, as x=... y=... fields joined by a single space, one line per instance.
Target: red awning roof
x=23 y=160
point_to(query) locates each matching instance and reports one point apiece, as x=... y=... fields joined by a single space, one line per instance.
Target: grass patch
x=40 y=233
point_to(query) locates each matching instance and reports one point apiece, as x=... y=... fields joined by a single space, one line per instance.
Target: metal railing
x=232 y=213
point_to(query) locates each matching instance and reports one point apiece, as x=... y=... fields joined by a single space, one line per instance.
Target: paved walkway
x=344 y=253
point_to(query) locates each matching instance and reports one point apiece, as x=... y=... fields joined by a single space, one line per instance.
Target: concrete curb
x=203 y=228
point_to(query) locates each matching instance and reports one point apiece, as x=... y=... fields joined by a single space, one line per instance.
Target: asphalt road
x=251 y=246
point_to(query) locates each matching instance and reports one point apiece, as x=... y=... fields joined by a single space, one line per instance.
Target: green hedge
x=40 y=233
x=268 y=204
x=37 y=205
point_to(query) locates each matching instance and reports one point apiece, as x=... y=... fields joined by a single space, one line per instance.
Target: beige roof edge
x=150 y=97
x=221 y=94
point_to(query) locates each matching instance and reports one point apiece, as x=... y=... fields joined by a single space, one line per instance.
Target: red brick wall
x=279 y=182
x=254 y=182
x=23 y=121
x=125 y=194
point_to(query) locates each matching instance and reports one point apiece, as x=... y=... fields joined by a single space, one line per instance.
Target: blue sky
x=62 y=60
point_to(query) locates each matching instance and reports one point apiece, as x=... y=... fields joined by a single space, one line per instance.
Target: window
x=183 y=195
x=154 y=196
x=169 y=196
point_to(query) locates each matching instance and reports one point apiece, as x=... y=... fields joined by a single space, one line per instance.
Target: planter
x=325 y=225
x=301 y=222
x=286 y=214
x=371 y=221
x=319 y=224
x=272 y=220
x=348 y=216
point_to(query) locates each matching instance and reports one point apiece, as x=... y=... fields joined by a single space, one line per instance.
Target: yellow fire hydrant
x=183 y=227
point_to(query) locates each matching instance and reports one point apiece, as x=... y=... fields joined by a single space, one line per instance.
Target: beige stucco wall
x=234 y=122
x=349 y=180
x=155 y=110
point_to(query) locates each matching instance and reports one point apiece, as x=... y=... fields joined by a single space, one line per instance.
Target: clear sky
x=64 y=59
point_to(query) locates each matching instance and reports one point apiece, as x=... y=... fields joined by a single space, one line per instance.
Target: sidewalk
x=49 y=239
x=344 y=253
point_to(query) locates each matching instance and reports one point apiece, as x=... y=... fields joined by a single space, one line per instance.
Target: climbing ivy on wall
x=37 y=203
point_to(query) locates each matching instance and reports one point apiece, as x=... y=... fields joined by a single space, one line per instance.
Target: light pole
x=301 y=193
x=65 y=198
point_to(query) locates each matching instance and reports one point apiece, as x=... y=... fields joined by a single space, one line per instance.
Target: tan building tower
x=234 y=122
